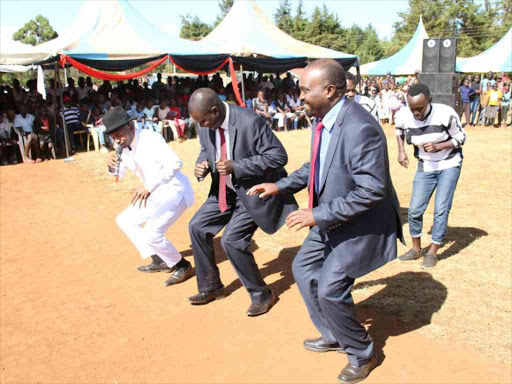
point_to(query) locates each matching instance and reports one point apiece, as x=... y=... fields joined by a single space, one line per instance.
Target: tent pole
x=242 y=80
x=358 y=78
x=66 y=137
x=54 y=102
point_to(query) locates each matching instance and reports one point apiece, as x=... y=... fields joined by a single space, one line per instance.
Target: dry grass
x=467 y=297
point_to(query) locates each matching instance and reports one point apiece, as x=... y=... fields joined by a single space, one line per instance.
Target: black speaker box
x=452 y=100
x=447 y=55
x=444 y=83
x=430 y=59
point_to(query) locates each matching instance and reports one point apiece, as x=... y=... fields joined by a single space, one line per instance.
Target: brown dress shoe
x=353 y=374
x=257 y=309
x=180 y=275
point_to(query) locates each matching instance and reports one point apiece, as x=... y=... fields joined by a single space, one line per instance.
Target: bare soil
x=73 y=308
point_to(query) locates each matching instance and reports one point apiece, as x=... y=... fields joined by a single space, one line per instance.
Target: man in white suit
x=166 y=194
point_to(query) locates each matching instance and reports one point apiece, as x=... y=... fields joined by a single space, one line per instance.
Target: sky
x=165 y=14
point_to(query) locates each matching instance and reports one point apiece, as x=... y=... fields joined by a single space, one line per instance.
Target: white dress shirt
x=158 y=167
x=224 y=125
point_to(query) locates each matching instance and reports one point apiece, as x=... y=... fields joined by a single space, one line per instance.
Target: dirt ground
x=73 y=308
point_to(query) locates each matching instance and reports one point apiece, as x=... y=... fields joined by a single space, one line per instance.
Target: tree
x=475 y=27
x=283 y=17
x=371 y=49
x=35 y=32
x=192 y=28
x=325 y=30
x=225 y=7
x=300 y=22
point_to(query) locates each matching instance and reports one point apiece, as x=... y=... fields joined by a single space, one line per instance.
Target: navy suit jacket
x=258 y=157
x=356 y=206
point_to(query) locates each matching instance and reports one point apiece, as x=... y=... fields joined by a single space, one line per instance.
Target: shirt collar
x=331 y=116
x=135 y=141
x=225 y=123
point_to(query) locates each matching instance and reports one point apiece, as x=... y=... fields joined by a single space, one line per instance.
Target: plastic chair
x=92 y=133
x=80 y=133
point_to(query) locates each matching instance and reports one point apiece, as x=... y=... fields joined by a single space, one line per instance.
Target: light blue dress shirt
x=328 y=121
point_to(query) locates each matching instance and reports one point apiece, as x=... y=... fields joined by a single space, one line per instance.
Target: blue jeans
x=473 y=109
x=423 y=187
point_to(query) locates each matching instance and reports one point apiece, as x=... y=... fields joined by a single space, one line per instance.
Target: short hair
x=418 y=88
x=203 y=100
x=332 y=71
x=351 y=77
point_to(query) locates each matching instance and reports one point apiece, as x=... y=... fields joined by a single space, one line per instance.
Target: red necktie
x=312 y=176
x=223 y=203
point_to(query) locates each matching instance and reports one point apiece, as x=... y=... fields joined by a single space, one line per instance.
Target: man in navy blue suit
x=353 y=214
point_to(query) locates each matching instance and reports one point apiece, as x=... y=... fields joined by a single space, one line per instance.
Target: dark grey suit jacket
x=356 y=207
x=258 y=157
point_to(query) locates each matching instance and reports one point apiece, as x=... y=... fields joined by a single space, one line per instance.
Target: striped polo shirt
x=441 y=124
x=368 y=104
x=71 y=115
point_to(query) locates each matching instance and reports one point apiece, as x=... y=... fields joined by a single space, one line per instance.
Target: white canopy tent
x=405 y=62
x=247 y=32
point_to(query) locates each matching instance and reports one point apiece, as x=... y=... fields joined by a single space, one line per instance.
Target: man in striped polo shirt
x=364 y=101
x=437 y=135
x=71 y=116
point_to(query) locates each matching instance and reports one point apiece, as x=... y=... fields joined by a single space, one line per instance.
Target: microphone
x=119 y=151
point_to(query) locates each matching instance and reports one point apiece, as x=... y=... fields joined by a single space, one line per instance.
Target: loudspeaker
x=452 y=100
x=444 y=83
x=430 y=59
x=447 y=55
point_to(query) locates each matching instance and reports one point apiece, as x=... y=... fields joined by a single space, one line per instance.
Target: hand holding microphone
x=114 y=162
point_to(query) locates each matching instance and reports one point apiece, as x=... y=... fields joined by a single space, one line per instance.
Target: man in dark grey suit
x=239 y=150
x=353 y=214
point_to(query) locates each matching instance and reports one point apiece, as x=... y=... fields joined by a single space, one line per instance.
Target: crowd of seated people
x=161 y=106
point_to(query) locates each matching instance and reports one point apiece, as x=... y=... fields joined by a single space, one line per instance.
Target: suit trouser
x=326 y=290
x=236 y=239
x=158 y=216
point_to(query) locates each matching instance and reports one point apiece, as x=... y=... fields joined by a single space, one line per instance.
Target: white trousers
x=282 y=118
x=158 y=216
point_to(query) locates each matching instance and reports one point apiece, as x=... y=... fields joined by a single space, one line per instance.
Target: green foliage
x=225 y=7
x=192 y=28
x=35 y=31
x=476 y=27
x=283 y=17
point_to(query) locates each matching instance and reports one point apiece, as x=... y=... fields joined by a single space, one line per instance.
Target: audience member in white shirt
x=7 y=136
x=24 y=126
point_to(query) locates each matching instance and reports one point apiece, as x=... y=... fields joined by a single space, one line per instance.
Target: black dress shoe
x=180 y=275
x=257 y=309
x=152 y=268
x=353 y=374
x=206 y=297
x=319 y=345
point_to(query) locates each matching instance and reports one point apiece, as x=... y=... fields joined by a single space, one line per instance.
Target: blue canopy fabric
x=498 y=58
x=405 y=62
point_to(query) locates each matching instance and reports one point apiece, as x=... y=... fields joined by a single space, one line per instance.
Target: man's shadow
x=406 y=303
x=459 y=237
x=281 y=265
